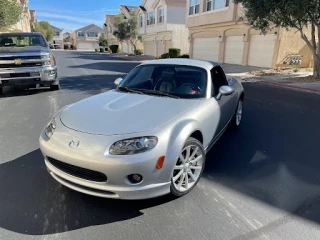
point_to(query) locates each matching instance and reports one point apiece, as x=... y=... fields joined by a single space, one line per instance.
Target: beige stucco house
x=87 y=38
x=162 y=26
x=109 y=29
x=57 y=36
x=217 y=32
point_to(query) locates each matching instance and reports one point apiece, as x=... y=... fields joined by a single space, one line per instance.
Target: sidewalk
x=241 y=72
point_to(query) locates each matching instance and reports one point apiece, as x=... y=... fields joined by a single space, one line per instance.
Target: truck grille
x=79 y=172
x=22 y=58
x=36 y=64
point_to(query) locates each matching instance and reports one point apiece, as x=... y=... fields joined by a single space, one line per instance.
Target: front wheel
x=188 y=168
x=54 y=87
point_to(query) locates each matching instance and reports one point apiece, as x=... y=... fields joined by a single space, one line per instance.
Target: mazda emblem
x=74 y=144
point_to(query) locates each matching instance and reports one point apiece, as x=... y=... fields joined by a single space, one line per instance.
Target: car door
x=225 y=103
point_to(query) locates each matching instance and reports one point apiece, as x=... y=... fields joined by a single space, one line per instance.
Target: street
x=260 y=182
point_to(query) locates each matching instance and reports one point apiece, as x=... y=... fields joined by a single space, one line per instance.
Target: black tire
x=190 y=142
x=234 y=122
x=1 y=90
x=55 y=87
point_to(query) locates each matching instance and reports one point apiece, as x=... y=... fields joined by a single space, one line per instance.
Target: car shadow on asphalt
x=33 y=203
x=269 y=158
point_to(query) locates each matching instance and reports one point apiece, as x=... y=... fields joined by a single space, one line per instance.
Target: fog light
x=135 y=178
x=52 y=72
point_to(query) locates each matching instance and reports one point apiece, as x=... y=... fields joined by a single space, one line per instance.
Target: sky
x=70 y=15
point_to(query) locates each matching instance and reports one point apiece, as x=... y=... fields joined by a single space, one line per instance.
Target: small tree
x=298 y=14
x=102 y=41
x=127 y=29
x=45 y=28
x=10 y=13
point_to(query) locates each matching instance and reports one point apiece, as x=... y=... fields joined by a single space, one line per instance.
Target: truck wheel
x=1 y=90
x=55 y=87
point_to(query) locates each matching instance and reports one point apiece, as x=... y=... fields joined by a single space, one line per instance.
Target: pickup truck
x=26 y=60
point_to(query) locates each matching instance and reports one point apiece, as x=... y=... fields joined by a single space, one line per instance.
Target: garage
x=206 y=49
x=168 y=45
x=234 y=50
x=85 y=46
x=261 y=50
x=160 y=49
x=149 y=48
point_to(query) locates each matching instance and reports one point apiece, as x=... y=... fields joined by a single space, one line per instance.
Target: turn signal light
x=160 y=162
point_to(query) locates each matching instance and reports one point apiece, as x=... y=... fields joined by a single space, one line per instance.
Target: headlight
x=50 y=128
x=133 y=146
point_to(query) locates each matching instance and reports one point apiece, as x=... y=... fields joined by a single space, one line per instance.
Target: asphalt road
x=260 y=182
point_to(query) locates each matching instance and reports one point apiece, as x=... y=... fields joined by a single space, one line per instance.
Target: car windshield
x=178 y=81
x=22 y=41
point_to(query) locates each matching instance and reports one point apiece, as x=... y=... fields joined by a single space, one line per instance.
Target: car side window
x=218 y=79
x=142 y=76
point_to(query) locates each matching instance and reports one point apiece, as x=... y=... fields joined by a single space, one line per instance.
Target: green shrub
x=96 y=49
x=102 y=50
x=65 y=46
x=114 y=48
x=184 y=56
x=165 y=55
x=138 y=52
x=131 y=55
x=174 y=52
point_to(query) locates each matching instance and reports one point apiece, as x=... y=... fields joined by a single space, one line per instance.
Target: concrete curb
x=291 y=86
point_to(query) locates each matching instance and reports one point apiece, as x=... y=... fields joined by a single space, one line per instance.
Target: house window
x=216 y=4
x=57 y=34
x=161 y=15
x=80 y=34
x=150 y=19
x=92 y=34
x=140 y=20
x=194 y=6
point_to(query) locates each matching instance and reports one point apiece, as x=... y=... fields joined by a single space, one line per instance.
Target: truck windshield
x=22 y=41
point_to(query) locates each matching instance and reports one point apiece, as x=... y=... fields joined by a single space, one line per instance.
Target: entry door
x=226 y=102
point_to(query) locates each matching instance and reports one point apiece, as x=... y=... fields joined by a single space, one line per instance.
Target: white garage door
x=124 y=47
x=168 y=45
x=261 y=50
x=206 y=49
x=85 y=46
x=149 y=48
x=234 y=50
x=160 y=49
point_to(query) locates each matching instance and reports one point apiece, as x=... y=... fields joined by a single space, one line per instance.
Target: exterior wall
x=175 y=15
x=227 y=14
x=23 y=25
x=292 y=43
x=180 y=36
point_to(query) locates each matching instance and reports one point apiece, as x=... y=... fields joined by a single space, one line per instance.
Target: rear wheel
x=188 y=168
x=236 y=121
x=55 y=87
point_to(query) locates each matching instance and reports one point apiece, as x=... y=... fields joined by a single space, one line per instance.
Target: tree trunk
x=316 y=68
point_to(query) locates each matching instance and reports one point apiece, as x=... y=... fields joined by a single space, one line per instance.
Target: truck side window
x=218 y=79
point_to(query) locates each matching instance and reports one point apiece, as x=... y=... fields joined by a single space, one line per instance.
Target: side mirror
x=224 y=91
x=118 y=81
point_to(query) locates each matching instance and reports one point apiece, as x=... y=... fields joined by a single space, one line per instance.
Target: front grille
x=36 y=64
x=18 y=57
x=78 y=171
x=15 y=75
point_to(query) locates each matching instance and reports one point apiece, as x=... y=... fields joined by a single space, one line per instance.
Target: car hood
x=23 y=49
x=116 y=113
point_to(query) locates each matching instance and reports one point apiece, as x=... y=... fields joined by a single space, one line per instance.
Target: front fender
x=178 y=136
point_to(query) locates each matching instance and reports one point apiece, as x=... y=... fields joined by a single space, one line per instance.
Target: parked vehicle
x=26 y=60
x=149 y=136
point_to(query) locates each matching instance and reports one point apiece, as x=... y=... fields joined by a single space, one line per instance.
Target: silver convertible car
x=149 y=136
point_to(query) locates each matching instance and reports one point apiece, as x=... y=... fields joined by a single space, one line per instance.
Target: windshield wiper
x=125 y=89
x=158 y=93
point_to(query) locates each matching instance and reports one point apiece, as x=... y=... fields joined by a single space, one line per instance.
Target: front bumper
x=45 y=76
x=93 y=155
